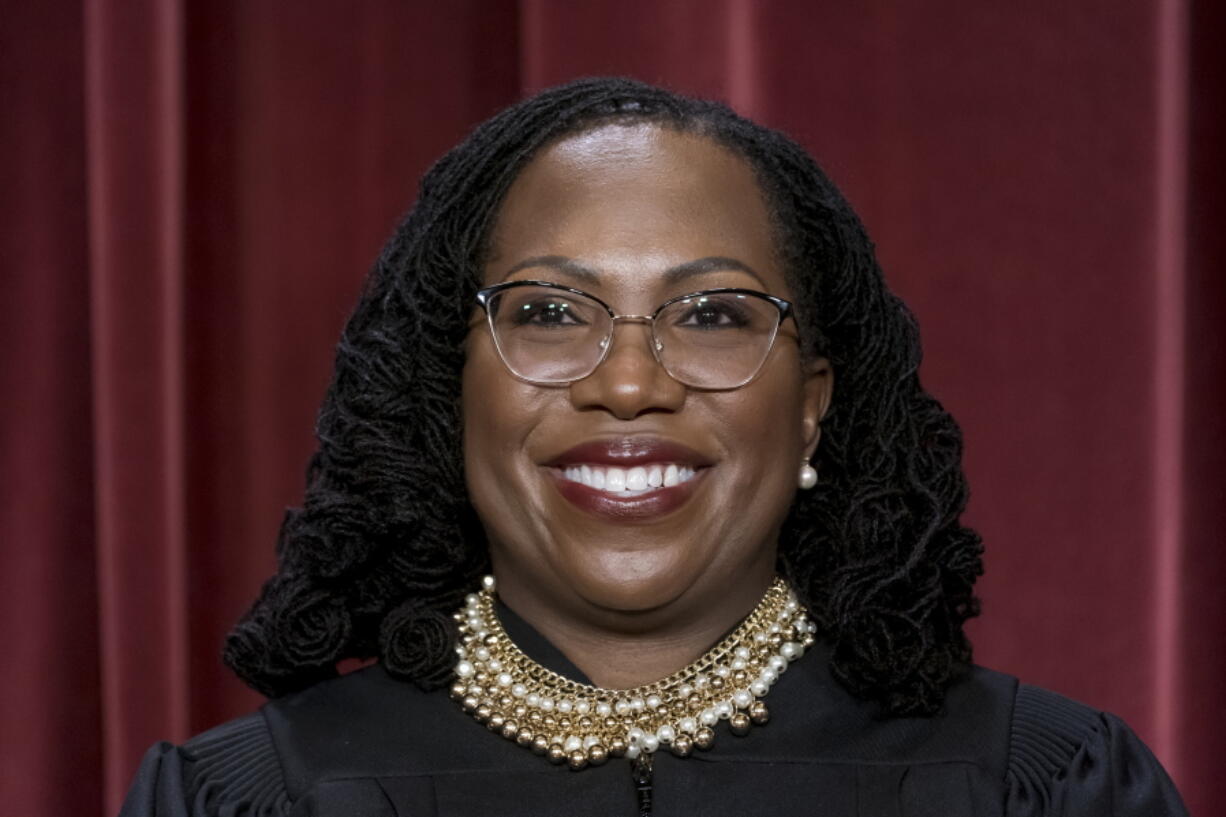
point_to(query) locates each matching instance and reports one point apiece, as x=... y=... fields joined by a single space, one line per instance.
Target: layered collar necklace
x=581 y=725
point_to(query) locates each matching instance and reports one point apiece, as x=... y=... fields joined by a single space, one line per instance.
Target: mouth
x=628 y=479
x=628 y=482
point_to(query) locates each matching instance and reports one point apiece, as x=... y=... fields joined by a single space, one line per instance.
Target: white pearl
x=768 y=676
x=778 y=663
x=738 y=664
x=583 y=707
x=635 y=736
x=472 y=600
x=724 y=708
x=700 y=681
x=638 y=705
x=572 y=743
x=482 y=654
x=788 y=650
x=722 y=671
x=665 y=734
x=759 y=688
x=685 y=690
x=792 y=606
x=776 y=629
x=622 y=706
x=760 y=638
x=688 y=725
x=487 y=582
x=650 y=743
x=603 y=709
x=565 y=705
x=533 y=699
x=519 y=690
x=464 y=669
x=654 y=701
x=742 y=653
x=504 y=679
x=632 y=751
x=547 y=704
x=708 y=717
x=742 y=698
x=495 y=665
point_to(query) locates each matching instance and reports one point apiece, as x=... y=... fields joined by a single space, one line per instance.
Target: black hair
x=386 y=545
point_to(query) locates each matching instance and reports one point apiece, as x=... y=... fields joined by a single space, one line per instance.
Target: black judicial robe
x=368 y=745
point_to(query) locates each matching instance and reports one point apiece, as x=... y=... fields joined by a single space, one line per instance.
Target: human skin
x=631 y=600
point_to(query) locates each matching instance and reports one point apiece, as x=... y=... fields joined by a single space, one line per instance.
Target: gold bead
x=483 y=713
x=510 y=729
x=540 y=744
x=740 y=677
x=717 y=683
x=807 y=640
x=682 y=745
x=524 y=737
x=704 y=738
x=577 y=759
x=520 y=711
x=597 y=754
x=496 y=722
x=470 y=703
x=551 y=723
x=458 y=690
x=557 y=755
x=775 y=640
x=585 y=723
x=740 y=723
x=617 y=747
x=758 y=713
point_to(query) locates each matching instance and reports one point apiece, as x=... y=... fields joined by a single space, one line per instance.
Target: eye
x=546 y=311
x=711 y=312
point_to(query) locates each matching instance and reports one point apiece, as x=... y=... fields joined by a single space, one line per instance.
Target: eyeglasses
x=550 y=334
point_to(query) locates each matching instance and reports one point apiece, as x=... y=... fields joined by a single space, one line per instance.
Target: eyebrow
x=672 y=275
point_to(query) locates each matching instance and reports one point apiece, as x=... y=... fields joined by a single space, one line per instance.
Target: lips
x=628 y=478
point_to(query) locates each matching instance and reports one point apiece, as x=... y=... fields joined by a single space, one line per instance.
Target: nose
x=629 y=382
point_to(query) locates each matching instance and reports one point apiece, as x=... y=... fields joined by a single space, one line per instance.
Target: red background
x=192 y=192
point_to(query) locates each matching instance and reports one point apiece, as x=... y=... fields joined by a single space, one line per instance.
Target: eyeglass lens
x=711 y=340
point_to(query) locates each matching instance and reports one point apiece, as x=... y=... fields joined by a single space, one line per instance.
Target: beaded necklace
x=581 y=725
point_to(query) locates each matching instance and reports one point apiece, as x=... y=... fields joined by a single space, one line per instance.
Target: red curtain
x=192 y=192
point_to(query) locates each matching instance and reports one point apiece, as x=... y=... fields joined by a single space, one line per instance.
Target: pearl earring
x=808 y=476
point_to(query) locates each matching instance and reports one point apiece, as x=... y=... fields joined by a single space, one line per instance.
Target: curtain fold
x=134 y=147
x=194 y=190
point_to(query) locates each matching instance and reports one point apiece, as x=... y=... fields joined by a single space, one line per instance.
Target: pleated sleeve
x=1069 y=760
x=230 y=771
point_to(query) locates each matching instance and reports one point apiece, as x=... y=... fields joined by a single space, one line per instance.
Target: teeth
x=615 y=480
x=637 y=480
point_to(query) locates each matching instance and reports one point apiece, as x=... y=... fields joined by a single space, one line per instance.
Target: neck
x=622 y=650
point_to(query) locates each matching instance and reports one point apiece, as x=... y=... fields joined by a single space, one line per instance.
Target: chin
x=632 y=581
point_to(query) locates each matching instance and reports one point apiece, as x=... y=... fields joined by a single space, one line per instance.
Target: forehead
x=632 y=201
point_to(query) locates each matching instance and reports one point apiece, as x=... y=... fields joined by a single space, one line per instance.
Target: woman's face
x=611 y=212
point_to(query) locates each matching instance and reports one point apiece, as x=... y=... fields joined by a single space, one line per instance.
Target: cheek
x=499 y=413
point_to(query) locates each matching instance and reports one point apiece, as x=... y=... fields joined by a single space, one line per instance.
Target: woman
x=625 y=440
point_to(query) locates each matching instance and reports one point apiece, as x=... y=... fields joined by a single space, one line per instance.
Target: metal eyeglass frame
x=484 y=295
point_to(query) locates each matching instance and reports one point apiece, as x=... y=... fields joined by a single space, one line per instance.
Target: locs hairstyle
x=386 y=545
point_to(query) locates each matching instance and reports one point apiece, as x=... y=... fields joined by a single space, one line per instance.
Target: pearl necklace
x=579 y=724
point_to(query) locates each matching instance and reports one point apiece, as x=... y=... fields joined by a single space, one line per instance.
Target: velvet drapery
x=192 y=192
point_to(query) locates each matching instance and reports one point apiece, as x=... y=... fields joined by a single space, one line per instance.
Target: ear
x=818 y=388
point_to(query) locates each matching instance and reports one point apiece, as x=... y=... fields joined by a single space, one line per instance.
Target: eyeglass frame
x=486 y=293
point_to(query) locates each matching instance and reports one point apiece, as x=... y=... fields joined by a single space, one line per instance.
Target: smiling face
x=636 y=215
